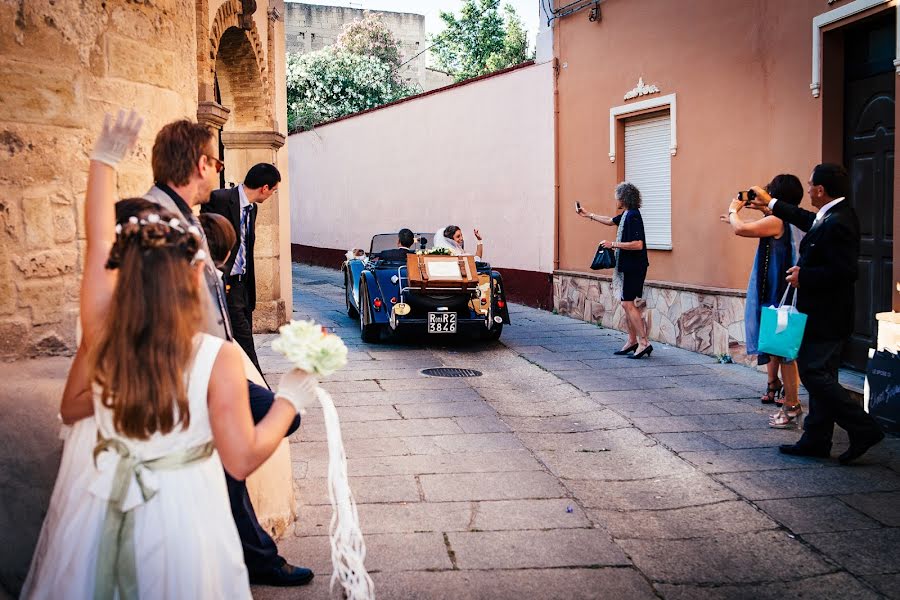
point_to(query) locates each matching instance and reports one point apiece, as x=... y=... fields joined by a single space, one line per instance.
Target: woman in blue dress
x=777 y=251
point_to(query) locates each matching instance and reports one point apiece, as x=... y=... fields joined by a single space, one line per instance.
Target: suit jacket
x=227 y=202
x=828 y=268
x=217 y=322
x=395 y=254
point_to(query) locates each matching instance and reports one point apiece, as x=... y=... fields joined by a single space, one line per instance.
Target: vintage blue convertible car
x=379 y=291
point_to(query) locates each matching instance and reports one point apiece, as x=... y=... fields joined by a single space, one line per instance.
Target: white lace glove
x=299 y=388
x=118 y=139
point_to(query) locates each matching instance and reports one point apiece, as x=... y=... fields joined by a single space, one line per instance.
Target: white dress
x=186 y=544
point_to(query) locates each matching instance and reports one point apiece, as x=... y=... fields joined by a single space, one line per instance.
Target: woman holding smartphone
x=631 y=264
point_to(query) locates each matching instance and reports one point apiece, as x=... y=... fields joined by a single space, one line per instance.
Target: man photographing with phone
x=824 y=278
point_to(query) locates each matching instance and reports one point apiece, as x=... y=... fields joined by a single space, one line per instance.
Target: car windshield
x=387 y=241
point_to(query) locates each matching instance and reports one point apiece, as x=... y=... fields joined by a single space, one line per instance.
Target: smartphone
x=577 y=206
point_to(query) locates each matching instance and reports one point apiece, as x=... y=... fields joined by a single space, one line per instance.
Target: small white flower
x=153 y=218
x=193 y=230
x=174 y=223
x=200 y=256
x=118 y=228
x=133 y=220
x=310 y=348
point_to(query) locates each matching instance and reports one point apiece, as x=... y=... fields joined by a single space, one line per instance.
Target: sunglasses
x=219 y=165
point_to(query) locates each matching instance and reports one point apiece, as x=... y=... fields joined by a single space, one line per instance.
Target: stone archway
x=243 y=115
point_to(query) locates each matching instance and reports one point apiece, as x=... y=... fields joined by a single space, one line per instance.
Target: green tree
x=480 y=40
x=371 y=37
x=360 y=71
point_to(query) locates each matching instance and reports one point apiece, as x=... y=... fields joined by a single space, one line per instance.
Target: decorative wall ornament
x=621 y=112
x=641 y=89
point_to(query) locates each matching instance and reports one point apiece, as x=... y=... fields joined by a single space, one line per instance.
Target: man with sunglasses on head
x=239 y=206
x=186 y=167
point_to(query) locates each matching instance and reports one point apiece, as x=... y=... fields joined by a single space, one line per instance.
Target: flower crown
x=152 y=232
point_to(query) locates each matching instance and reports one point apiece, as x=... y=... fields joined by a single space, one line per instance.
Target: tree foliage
x=359 y=72
x=481 y=40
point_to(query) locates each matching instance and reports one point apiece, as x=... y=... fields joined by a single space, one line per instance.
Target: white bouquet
x=311 y=348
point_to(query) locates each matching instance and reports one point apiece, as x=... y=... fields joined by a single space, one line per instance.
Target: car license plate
x=442 y=322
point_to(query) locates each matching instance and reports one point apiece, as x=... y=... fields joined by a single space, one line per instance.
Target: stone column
x=243 y=149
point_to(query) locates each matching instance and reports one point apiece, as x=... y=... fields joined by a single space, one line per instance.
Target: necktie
x=240 y=261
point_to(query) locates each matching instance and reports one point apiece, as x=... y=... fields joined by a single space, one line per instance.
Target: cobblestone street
x=564 y=472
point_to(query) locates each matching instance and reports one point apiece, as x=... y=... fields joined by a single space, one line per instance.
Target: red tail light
x=394 y=300
x=483 y=301
x=377 y=303
x=500 y=303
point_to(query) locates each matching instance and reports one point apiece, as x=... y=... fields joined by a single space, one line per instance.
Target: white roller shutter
x=648 y=166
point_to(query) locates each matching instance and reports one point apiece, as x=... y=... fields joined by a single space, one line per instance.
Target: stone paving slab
x=547 y=584
x=535 y=549
x=462 y=443
x=754 y=459
x=730 y=517
x=395 y=488
x=688 y=441
x=489 y=462
x=726 y=558
x=793 y=483
x=836 y=585
x=491 y=486
x=615 y=465
x=651 y=494
x=884 y=507
x=869 y=552
x=816 y=515
x=889 y=585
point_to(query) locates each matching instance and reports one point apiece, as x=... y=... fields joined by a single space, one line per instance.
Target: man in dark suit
x=824 y=279
x=238 y=205
x=185 y=169
x=405 y=239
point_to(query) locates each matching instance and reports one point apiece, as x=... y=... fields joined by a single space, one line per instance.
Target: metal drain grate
x=451 y=372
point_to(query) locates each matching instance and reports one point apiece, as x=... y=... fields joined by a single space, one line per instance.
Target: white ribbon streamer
x=348 y=550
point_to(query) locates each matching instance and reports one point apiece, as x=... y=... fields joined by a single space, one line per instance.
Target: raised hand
x=117 y=139
x=477 y=235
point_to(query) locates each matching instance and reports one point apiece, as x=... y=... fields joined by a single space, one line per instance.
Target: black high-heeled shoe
x=625 y=351
x=645 y=352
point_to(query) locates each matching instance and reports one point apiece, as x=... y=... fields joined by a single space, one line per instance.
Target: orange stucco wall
x=740 y=70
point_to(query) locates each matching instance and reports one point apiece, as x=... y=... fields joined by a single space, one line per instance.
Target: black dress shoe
x=625 y=351
x=285 y=575
x=857 y=449
x=803 y=449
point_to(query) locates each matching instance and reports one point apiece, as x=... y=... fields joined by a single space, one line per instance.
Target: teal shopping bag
x=781 y=328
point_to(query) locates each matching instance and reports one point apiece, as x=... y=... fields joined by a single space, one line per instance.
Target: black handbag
x=604 y=259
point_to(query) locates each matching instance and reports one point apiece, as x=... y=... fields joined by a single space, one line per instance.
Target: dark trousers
x=829 y=402
x=241 y=317
x=260 y=551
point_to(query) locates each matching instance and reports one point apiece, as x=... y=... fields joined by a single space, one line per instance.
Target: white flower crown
x=173 y=223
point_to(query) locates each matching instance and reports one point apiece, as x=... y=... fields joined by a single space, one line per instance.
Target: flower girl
x=146 y=514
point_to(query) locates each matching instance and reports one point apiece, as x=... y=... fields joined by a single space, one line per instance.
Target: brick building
x=65 y=64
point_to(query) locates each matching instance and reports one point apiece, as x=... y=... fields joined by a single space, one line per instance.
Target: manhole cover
x=451 y=372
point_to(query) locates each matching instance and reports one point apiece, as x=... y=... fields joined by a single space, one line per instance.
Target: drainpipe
x=556 y=73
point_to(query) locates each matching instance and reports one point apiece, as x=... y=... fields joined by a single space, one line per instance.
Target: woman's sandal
x=774 y=392
x=787 y=418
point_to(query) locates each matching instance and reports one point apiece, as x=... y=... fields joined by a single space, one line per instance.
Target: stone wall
x=64 y=63
x=710 y=321
x=310 y=27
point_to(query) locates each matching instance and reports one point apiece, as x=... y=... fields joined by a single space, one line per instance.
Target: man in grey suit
x=186 y=168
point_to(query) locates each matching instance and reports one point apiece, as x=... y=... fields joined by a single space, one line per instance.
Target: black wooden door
x=869 y=156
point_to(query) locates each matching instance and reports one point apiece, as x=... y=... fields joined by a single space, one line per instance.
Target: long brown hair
x=146 y=344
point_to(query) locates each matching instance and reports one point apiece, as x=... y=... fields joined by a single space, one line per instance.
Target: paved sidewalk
x=565 y=472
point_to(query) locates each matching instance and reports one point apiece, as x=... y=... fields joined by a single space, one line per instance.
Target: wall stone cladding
x=311 y=27
x=65 y=63
x=710 y=322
